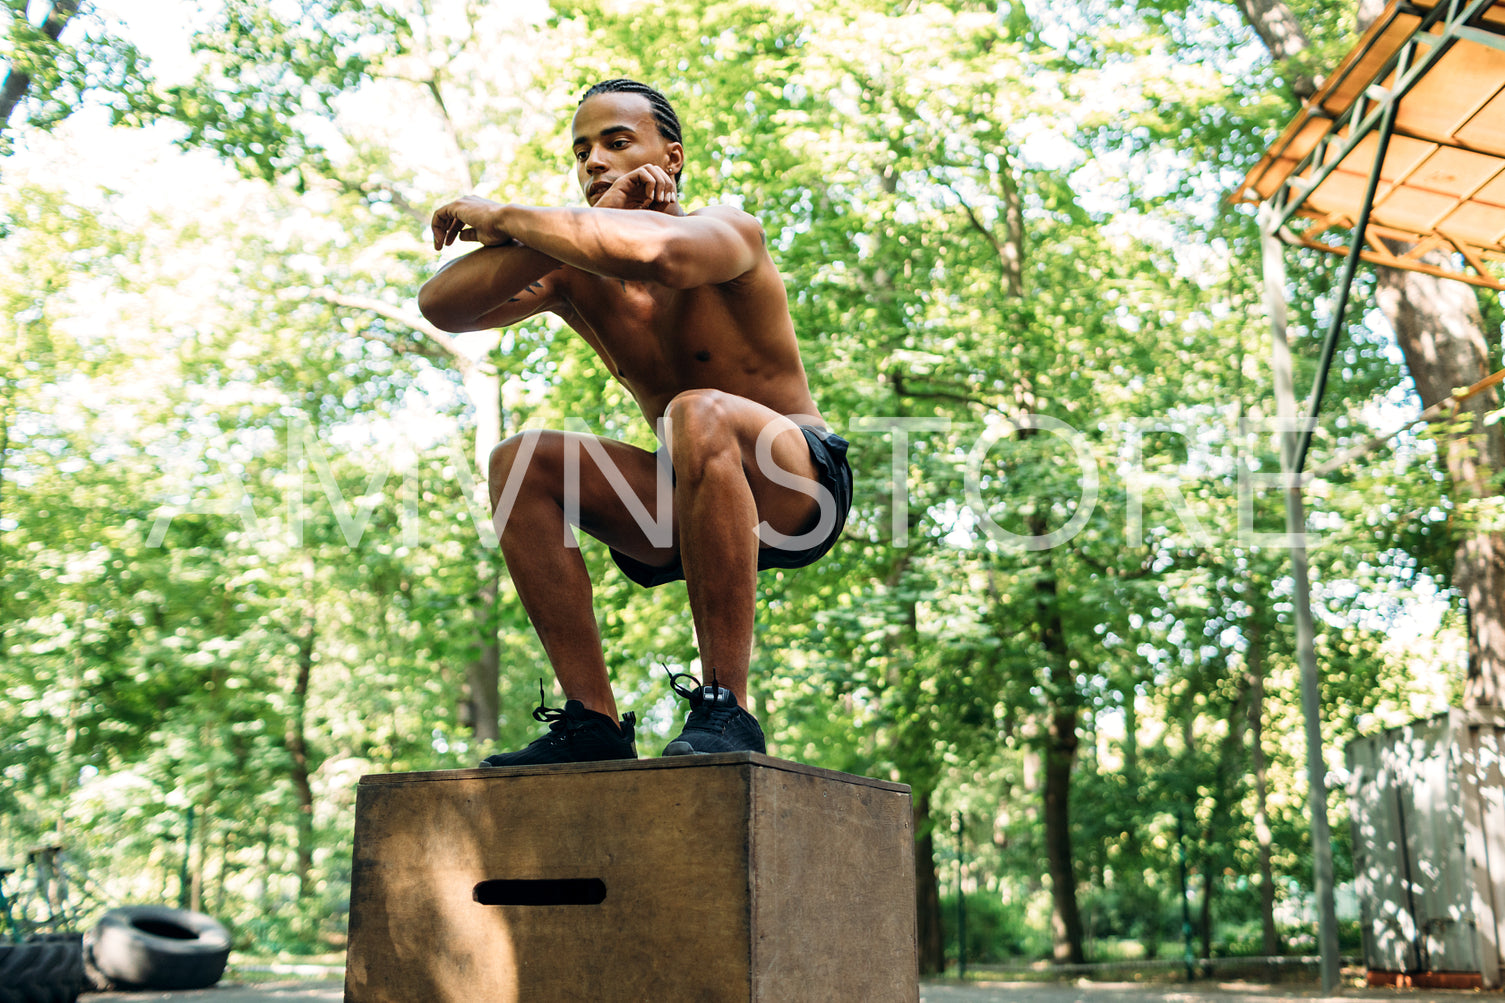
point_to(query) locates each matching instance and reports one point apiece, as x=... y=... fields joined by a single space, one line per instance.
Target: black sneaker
x=715 y=724
x=576 y=735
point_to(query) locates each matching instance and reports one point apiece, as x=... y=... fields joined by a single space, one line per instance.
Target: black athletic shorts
x=829 y=454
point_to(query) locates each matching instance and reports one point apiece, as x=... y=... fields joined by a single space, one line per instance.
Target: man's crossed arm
x=713 y=246
x=490 y=287
x=508 y=279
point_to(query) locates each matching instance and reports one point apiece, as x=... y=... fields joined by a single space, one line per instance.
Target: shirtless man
x=688 y=312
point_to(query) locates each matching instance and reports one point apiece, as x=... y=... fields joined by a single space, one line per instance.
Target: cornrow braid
x=663 y=111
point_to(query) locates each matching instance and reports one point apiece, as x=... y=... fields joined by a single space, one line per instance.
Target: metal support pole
x=1311 y=705
x=1345 y=285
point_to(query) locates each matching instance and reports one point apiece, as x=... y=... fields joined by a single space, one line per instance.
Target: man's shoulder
x=730 y=214
x=722 y=209
x=746 y=225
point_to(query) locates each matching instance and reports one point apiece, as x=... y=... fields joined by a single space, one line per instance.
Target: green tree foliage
x=244 y=561
x=48 y=77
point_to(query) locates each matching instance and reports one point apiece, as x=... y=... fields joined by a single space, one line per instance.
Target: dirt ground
x=1194 y=992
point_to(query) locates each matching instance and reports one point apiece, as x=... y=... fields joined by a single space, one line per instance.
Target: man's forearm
x=617 y=243
x=470 y=287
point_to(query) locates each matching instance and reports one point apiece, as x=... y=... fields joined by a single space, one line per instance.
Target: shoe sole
x=484 y=765
x=686 y=749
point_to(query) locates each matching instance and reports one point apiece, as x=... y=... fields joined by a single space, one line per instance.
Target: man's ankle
x=607 y=707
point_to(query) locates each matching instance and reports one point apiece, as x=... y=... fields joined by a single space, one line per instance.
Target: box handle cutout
x=541 y=891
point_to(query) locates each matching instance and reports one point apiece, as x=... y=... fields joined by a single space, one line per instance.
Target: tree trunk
x=1066 y=919
x=1259 y=772
x=297 y=747
x=1279 y=29
x=265 y=890
x=1143 y=902
x=1441 y=332
x=1062 y=699
x=478 y=705
x=198 y=853
x=1204 y=914
x=913 y=749
x=1060 y=758
x=226 y=849
x=482 y=708
x=932 y=943
x=1011 y=247
x=1230 y=767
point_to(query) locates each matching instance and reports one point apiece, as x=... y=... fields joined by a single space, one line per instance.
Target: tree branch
x=398 y=201
x=432 y=84
x=897 y=380
x=447 y=348
x=977 y=223
x=1448 y=405
x=17 y=81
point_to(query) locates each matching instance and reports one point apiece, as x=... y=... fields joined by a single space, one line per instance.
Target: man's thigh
x=775 y=455
x=618 y=493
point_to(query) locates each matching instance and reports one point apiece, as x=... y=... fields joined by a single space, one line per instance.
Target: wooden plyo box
x=696 y=878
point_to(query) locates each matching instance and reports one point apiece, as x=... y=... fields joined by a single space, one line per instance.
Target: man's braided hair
x=663 y=111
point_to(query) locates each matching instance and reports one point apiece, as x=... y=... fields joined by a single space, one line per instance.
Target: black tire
x=44 y=970
x=157 y=947
x=95 y=981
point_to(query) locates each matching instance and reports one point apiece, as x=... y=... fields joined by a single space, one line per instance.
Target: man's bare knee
x=503 y=454
x=499 y=465
x=518 y=461
x=697 y=410
x=701 y=433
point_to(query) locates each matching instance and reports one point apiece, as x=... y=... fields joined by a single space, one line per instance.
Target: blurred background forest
x=244 y=559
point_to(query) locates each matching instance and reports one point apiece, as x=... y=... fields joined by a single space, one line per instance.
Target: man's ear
x=676 y=157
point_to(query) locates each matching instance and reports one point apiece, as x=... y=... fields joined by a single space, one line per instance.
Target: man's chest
x=643 y=330
x=632 y=310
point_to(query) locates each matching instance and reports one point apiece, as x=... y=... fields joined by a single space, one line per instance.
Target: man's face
x=615 y=134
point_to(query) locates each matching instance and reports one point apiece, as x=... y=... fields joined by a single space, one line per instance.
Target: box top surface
x=720 y=760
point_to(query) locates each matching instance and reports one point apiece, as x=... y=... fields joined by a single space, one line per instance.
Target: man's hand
x=469 y=218
x=648 y=187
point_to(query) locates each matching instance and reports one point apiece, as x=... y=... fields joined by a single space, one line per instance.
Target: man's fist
x=648 y=187
x=470 y=218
